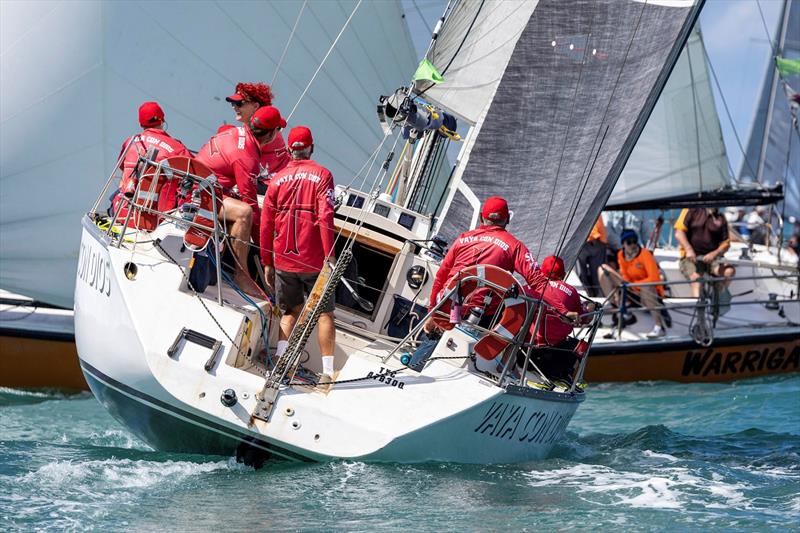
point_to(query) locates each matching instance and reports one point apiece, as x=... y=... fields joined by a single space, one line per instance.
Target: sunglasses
x=629 y=241
x=240 y=103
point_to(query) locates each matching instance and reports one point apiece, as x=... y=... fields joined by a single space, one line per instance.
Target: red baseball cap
x=150 y=114
x=267 y=118
x=300 y=138
x=553 y=267
x=495 y=208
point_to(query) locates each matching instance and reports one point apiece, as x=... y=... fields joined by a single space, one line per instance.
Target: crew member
x=233 y=156
x=703 y=236
x=563 y=311
x=247 y=98
x=489 y=244
x=153 y=135
x=591 y=257
x=297 y=237
x=636 y=265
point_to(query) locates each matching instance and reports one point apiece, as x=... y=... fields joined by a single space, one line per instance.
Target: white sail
x=773 y=150
x=681 y=150
x=472 y=53
x=74 y=74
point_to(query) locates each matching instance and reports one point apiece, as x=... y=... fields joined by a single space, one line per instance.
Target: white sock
x=327 y=364
x=281 y=349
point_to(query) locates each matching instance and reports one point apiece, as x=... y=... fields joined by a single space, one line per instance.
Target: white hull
x=124 y=328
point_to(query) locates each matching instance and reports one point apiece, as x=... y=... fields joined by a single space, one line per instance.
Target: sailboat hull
x=683 y=360
x=381 y=412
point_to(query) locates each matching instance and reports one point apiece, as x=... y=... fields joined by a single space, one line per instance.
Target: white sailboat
x=190 y=371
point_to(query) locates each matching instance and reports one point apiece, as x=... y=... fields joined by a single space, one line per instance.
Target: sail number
x=384 y=375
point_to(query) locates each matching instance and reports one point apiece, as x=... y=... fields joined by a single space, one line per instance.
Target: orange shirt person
x=636 y=265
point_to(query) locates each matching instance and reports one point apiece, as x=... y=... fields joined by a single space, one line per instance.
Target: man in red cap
x=245 y=101
x=153 y=135
x=233 y=156
x=489 y=244
x=297 y=238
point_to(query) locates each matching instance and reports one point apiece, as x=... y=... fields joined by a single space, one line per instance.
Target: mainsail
x=74 y=74
x=773 y=151
x=681 y=153
x=579 y=85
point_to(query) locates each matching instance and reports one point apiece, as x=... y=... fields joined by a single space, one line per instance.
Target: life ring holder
x=502 y=284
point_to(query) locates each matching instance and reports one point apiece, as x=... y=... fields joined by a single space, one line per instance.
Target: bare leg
x=650 y=301
x=326 y=333
x=695 y=286
x=288 y=320
x=608 y=282
x=240 y=216
x=726 y=271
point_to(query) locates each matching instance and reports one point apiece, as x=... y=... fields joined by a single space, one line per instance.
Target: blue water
x=646 y=456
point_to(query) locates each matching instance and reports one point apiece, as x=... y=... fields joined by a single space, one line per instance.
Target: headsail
x=681 y=153
x=773 y=151
x=579 y=86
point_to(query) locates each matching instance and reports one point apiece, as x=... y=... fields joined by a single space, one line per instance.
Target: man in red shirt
x=556 y=358
x=233 y=156
x=489 y=244
x=153 y=135
x=297 y=237
x=247 y=98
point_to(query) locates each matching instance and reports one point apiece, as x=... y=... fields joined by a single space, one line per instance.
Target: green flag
x=787 y=67
x=426 y=71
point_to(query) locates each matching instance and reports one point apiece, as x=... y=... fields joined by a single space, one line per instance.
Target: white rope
x=288 y=42
x=333 y=45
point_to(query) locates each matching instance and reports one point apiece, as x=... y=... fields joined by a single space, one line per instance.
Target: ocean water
x=642 y=456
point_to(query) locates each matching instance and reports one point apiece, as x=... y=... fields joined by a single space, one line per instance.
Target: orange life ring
x=196 y=238
x=515 y=309
x=146 y=215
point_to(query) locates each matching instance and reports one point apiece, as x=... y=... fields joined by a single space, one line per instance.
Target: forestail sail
x=74 y=74
x=681 y=153
x=556 y=131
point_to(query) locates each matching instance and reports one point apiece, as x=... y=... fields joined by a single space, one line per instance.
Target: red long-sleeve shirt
x=297 y=221
x=137 y=145
x=274 y=155
x=563 y=298
x=233 y=156
x=489 y=245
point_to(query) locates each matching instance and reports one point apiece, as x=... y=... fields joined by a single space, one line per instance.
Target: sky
x=736 y=40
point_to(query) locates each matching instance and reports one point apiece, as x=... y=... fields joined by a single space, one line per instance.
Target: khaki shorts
x=689 y=267
x=293 y=288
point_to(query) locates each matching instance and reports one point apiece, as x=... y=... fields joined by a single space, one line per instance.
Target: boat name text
x=703 y=363
x=94 y=269
x=507 y=422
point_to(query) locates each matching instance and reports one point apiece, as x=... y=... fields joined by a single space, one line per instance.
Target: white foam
x=119 y=473
x=671 y=488
x=655 y=455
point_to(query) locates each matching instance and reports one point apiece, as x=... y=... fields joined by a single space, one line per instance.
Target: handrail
x=148 y=160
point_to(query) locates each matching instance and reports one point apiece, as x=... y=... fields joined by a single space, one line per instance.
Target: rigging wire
x=324 y=59
x=288 y=42
x=728 y=113
x=772 y=44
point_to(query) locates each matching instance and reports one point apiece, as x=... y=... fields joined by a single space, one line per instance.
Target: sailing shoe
x=657 y=332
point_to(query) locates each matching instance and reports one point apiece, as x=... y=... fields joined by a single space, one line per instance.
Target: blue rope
x=265 y=320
